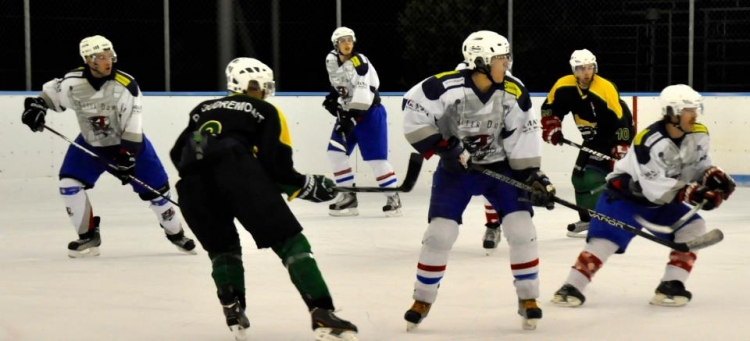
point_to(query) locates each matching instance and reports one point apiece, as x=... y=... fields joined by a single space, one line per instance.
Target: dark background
x=640 y=45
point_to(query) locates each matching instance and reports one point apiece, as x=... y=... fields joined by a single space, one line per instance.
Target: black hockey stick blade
x=412 y=174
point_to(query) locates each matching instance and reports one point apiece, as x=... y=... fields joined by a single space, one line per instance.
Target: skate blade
x=348 y=212
x=529 y=324
x=328 y=334
x=190 y=252
x=664 y=301
x=240 y=333
x=489 y=252
x=393 y=213
x=90 y=252
x=571 y=302
x=410 y=326
x=576 y=234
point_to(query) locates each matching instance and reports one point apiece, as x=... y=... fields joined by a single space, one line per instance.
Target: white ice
x=141 y=288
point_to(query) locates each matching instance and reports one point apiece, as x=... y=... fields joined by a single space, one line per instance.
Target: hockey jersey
x=494 y=126
x=657 y=166
x=355 y=81
x=599 y=108
x=108 y=109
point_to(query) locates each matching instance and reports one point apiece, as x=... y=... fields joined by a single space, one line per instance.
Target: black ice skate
x=392 y=207
x=237 y=321
x=345 y=206
x=568 y=296
x=530 y=312
x=416 y=314
x=575 y=229
x=329 y=327
x=491 y=237
x=183 y=243
x=87 y=244
x=671 y=294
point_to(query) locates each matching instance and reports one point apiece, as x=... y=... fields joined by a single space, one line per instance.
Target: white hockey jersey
x=355 y=80
x=660 y=166
x=108 y=111
x=494 y=126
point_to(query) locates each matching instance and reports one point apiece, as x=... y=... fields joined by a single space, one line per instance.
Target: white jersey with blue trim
x=494 y=126
x=355 y=80
x=106 y=115
x=661 y=166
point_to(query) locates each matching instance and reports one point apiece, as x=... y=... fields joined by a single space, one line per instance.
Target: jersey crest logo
x=212 y=127
x=100 y=126
x=479 y=145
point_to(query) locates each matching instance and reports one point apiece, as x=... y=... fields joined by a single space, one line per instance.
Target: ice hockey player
x=107 y=104
x=480 y=116
x=360 y=121
x=667 y=167
x=234 y=159
x=605 y=123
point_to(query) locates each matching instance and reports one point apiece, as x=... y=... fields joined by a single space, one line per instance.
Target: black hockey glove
x=125 y=166
x=33 y=114
x=331 y=103
x=543 y=193
x=714 y=178
x=345 y=124
x=317 y=188
x=453 y=156
x=696 y=193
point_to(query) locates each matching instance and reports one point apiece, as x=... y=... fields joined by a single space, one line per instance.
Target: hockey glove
x=331 y=103
x=618 y=152
x=33 y=114
x=543 y=193
x=696 y=193
x=317 y=188
x=345 y=124
x=125 y=166
x=453 y=156
x=552 y=129
x=715 y=179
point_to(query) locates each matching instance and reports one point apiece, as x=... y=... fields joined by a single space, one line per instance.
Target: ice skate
x=568 y=296
x=183 y=243
x=671 y=294
x=237 y=321
x=491 y=237
x=575 y=230
x=530 y=312
x=416 y=314
x=87 y=244
x=345 y=206
x=329 y=327
x=392 y=207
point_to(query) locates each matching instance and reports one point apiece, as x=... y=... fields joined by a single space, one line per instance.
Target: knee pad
x=293 y=249
x=690 y=231
x=518 y=228
x=441 y=234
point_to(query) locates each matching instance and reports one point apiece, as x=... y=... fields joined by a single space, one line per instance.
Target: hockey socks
x=229 y=272
x=296 y=255
x=165 y=212
x=77 y=205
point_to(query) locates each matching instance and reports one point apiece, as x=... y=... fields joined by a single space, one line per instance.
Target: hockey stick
x=587 y=150
x=412 y=174
x=710 y=238
x=99 y=158
x=669 y=229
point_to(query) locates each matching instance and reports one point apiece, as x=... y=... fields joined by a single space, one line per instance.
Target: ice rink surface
x=142 y=288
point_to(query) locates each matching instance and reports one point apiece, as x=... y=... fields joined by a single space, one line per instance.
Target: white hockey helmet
x=90 y=46
x=242 y=70
x=342 y=32
x=479 y=48
x=676 y=97
x=581 y=58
